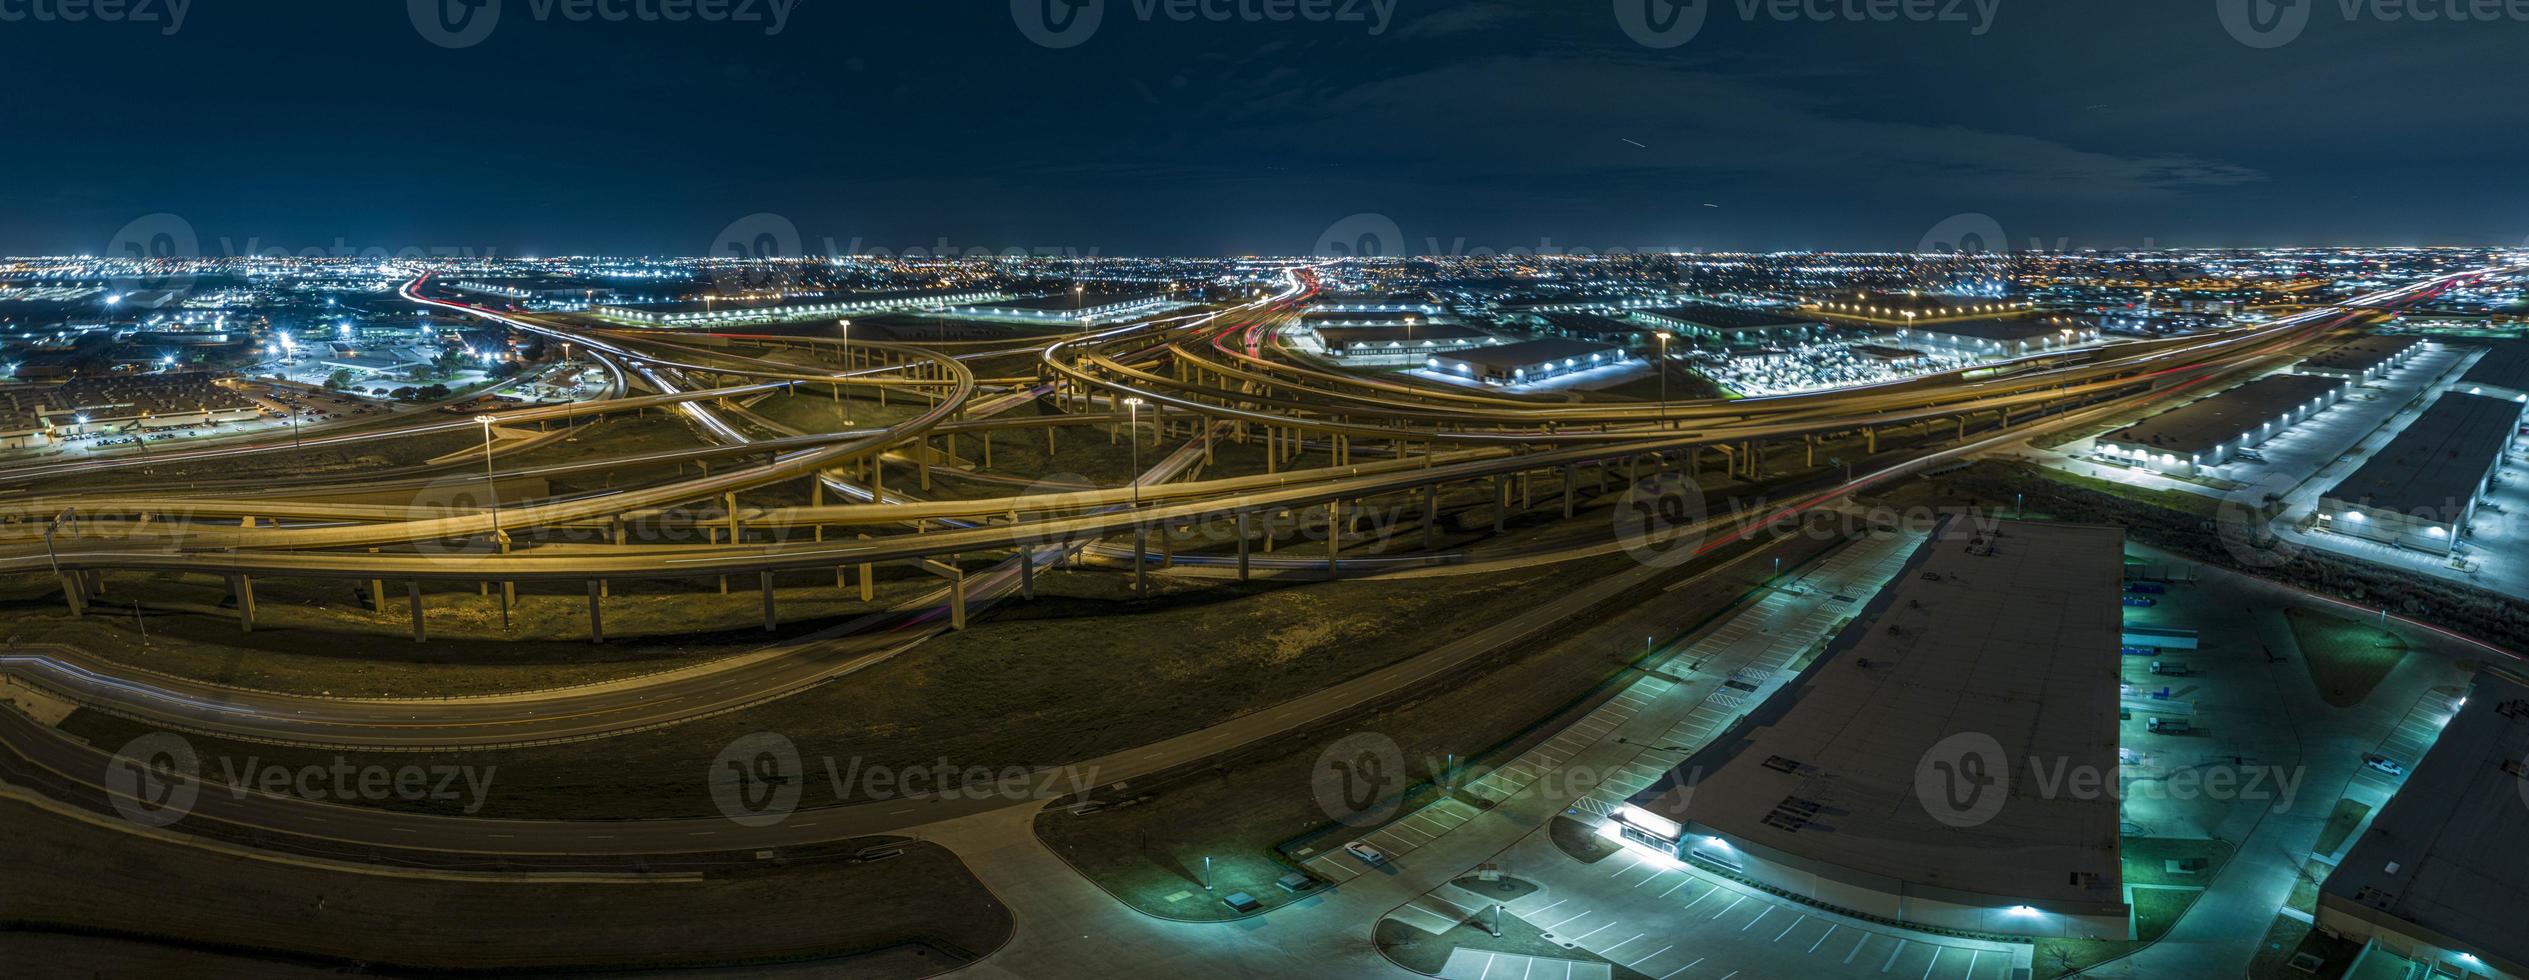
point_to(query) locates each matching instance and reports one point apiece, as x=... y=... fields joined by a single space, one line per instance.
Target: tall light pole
x=492 y=489
x=845 y=326
x=1663 y=335
x=1133 y=435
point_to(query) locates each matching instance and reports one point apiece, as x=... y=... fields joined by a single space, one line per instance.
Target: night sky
x=1472 y=125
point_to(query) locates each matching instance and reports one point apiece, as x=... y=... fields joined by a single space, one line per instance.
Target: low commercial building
x=2423 y=487
x=2364 y=360
x=2003 y=336
x=1525 y=362
x=2210 y=431
x=737 y=312
x=1400 y=344
x=1082 y=308
x=1596 y=327
x=1732 y=325
x=2440 y=878
x=1898 y=776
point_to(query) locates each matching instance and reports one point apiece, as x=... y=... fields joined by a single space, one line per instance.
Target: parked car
x=1369 y=855
x=2384 y=765
x=2141 y=601
x=2146 y=588
x=2169 y=726
x=2141 y=651
x=2171 y=668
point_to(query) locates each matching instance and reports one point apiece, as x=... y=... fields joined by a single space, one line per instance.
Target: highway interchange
x=1200 y=380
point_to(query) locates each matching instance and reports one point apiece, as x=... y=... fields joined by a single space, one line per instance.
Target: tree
x=406 y=394
x=448 y=363
x=341 y=379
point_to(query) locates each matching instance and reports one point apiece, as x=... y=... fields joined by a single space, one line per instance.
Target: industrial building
x=1893 y=776
x=1732 y=325
x=2421 y=489
x=2502 y=371
x=1595 y=327
x=1398 y=344
x=2003 y=336
x=733 y=312
x=1527 y=361
x=1071 y=307
x=2210 y=431
x=2364 y=360
x=2440 y=879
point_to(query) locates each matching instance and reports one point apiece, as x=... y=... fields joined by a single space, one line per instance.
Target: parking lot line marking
x=1681 y=883
x=1857 y=947
x=1892 y=956
x=1699 y=900
x=1637 y=862
x=1559 y=925
x=1550 y=908
x=1726 y=910
x=1760 y=917
x=1576 y=940
x=1936 y=961
x=1655 y=876
x=1973 y=955
x=1612 y=949
x=1681 y=969
x=1795 y=924
x=1655 y=952
x=1822 y=938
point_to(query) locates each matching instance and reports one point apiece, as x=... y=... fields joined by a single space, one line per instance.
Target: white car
x=2388 y=766
x=1368 y=855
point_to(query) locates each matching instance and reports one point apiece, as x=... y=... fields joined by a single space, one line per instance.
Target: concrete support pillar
x=869 y=578
x=957 y=595
x=1570 y=481
x=1244 y=547
x=1501 y=504
x=1334 y=536
x=244 y=586
x=1431 y=516
x=1027 y=573
x=765 y=582
x=1141 y=562
x=412 y=597
x=74 y=589
x=596 y=615
x=377 y=591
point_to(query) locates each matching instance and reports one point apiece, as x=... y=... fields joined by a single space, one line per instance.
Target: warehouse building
x=1731 y=325
x=1399 y=344
x=2421 y=489
x=2364 y=360
x=1894 y=776
x=1525 y=362
x=2003 y=336
x=1072 y=307
x=2210 y=431
x=736 y=312
x=2502 y=371
x=2440 y=880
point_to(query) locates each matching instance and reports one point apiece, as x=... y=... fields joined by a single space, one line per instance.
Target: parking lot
x=1671 y=922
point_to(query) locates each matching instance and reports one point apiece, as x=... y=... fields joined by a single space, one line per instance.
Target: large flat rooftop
x=2445 y=853
x=2007 y=329
x=1731 y=319
x=2437 y=464
x=2360 y=356
x=2505 y=365
x=1530 y=353
x=2005 y=631
x=2205 y=424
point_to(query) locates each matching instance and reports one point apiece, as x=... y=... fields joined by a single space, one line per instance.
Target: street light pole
x=492 y=490
x=1663 y=335
x=846 y=327
x=1133 y=436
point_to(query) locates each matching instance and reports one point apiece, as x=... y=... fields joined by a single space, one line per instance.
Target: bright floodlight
x=487 y=420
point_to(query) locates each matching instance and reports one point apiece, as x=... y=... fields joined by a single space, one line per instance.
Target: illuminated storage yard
x=738 y=311
x=1995 y=647
x=2421 y=490
x=1520 y=363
